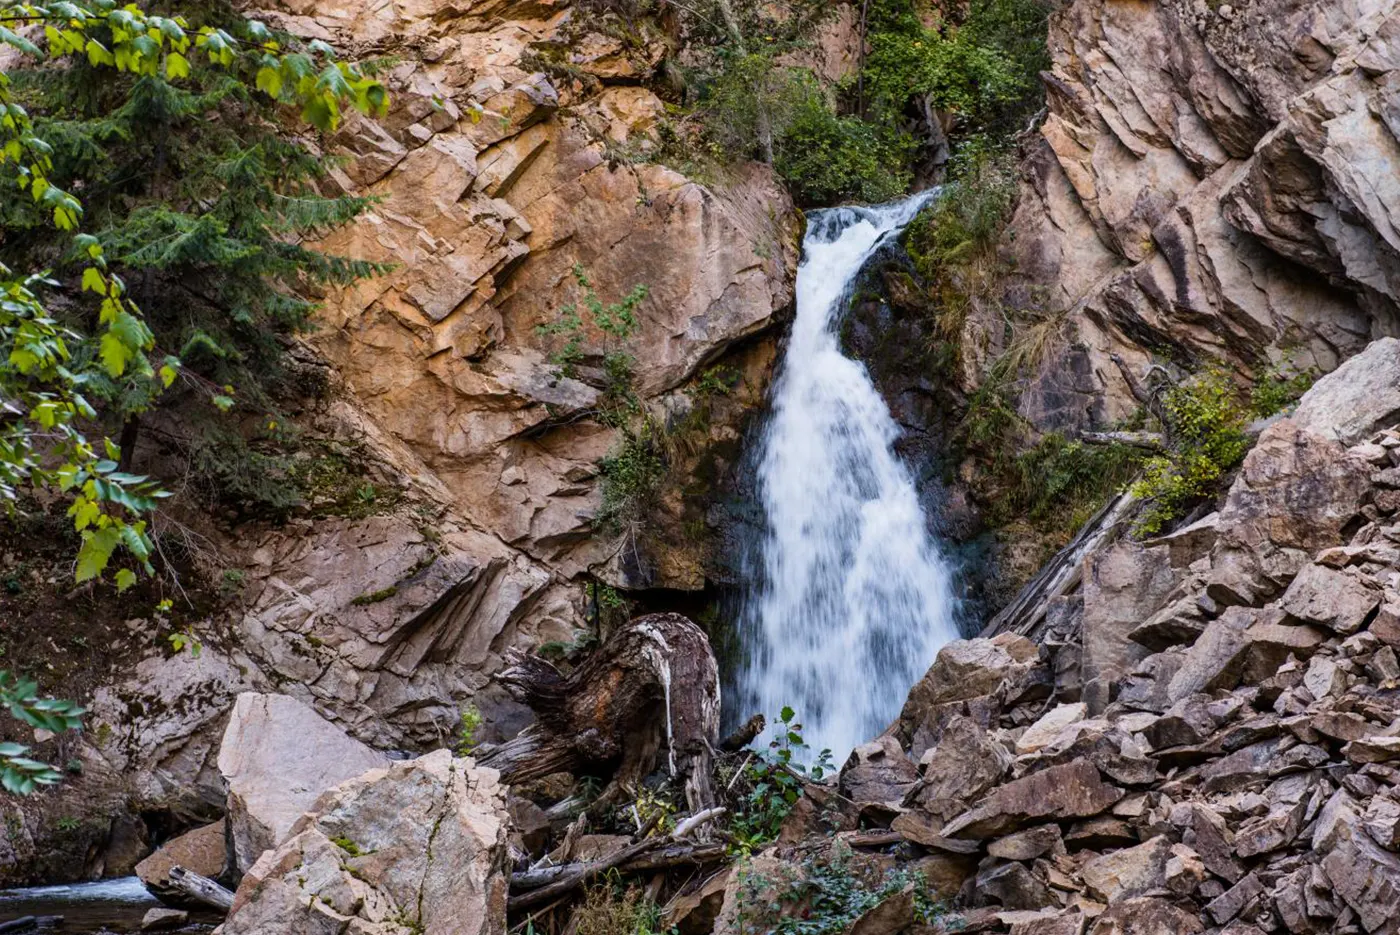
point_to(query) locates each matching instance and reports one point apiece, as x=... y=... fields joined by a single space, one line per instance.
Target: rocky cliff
x=1210 y=180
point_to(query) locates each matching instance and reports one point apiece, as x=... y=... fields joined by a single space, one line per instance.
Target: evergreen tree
x=127 y=178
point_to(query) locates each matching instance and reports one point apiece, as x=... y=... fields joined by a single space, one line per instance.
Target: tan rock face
x=277 y=757
x=417 y=847
x=1214 y=181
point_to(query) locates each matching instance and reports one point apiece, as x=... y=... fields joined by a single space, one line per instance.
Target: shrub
x=610 y=909
x=1205 y=419
x=775 y=777
x=755 y=108
x=467 y=726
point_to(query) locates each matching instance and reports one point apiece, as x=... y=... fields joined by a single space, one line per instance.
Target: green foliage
x=1205 y=420
x=467 y=726
x=614 y=322
x=982 y=69
x=1060 y=484
x=825 y=895
x=632 y=477
x=19 y=773
x=347 y=845
x=953 y=242
x=125 y=76
x=100 y=122
x=775 y=777
x=755 y=108
x=1278 y=387
x=375 y=597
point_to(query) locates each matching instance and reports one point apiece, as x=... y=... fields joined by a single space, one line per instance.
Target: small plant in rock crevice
x=468 y=724
x=826 y=894
x=775 y=777
x=1205 y=419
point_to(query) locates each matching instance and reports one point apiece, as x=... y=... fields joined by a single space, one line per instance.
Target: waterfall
x=851 y=598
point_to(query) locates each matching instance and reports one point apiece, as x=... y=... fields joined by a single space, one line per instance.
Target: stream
x=851 y=598
x=89 y=908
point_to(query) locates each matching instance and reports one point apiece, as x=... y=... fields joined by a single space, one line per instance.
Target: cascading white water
x=853 y=598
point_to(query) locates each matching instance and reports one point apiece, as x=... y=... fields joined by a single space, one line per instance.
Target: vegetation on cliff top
x=152 y=120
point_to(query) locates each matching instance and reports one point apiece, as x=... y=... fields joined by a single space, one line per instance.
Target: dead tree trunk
x=653 y=682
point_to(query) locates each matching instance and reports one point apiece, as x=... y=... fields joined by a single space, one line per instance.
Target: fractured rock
x=277 y=757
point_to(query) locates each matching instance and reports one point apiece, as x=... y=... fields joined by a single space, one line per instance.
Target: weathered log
x=199 y=889
x=580 y=875
x=662 y=858
x=1150 y=441
x=653 y=682
x=746 y=734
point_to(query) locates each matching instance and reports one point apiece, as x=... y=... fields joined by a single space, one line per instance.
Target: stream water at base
x=88 y=908
x=851 y=597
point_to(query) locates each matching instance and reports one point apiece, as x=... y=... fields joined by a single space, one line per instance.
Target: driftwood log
x=653 y=685
x=198 y=889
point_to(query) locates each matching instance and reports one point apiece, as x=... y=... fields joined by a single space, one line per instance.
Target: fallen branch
x=581 y=874
x=199 y=889
x=1151 y=441
x=696 y=820
x=661 y=858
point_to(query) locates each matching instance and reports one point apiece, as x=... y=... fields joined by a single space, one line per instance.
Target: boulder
x=1123 y=585
x=161 y=919
x=202 y=850
x=878 y=772
x=277 y=757
x=1367 y=878
x=1334 y=599
x=1217 y=659
x=1361 y=396
x=1072 y=790
x=965 y=669
x=965 y=764
x=1130 y=872
x=1049 y=726
x=1145 y=916
x=418 y=846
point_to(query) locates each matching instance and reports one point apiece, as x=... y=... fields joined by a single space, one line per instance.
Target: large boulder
x=202 y=850
x=419 y=847
x=1072 y=790
x=1358 y=398
x=277 y=757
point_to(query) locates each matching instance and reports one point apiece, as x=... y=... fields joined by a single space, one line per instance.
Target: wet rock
x=203 y=850
x=421 y=844
x=161 y=920
x=277 y=757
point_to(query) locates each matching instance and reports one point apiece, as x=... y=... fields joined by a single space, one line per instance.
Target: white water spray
x=854 y=599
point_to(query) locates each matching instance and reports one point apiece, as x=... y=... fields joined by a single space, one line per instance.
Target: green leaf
x=115 y=354
x=269 y=81
x=125 y=579
x=95 y=552
x=176 y=66
x=93 y=281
